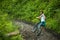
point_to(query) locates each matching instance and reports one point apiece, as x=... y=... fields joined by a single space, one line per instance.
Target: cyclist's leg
x=43 y=27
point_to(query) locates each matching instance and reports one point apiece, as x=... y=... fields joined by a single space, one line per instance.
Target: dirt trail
x=26 y=31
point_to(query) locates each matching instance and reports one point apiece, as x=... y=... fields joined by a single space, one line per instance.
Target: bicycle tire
x=38 y=32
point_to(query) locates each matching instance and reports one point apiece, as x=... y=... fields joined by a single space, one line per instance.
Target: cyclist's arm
x=39 y=17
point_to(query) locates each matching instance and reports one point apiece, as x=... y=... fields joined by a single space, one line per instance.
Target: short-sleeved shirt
x=42 y=18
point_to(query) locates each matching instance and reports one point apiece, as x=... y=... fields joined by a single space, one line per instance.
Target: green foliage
x=16 y=38
x=51 y=24
x=6 y=26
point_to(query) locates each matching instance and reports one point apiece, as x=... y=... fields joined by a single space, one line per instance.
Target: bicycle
x=37 y=29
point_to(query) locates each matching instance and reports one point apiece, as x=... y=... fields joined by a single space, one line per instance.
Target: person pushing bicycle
x=40 y=25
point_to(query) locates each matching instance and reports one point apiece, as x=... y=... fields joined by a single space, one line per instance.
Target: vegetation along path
x=27 y=34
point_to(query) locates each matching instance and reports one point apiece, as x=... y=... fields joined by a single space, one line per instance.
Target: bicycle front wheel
x=38 y=32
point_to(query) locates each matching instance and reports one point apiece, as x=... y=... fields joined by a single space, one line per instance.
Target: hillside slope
x=27 y=34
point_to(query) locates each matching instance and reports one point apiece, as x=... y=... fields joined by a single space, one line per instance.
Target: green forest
x=27 y=10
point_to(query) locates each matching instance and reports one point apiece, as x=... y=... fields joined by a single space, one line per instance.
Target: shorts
x=42 y=24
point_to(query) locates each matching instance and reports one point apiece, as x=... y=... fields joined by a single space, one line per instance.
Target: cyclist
x=40 y=24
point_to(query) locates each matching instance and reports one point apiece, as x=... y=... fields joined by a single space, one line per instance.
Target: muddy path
x=26 y=32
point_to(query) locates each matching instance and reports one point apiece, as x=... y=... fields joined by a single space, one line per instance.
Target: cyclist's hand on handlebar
x=37 y=17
